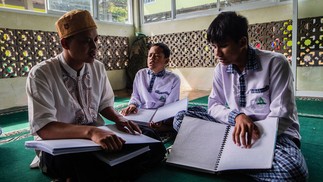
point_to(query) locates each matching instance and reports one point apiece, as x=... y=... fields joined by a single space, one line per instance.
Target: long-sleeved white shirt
x=267 y=91
x=165 y=89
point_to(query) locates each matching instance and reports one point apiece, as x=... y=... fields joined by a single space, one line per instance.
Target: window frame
x=94 y=11
x=149 y=1
x=212 y=11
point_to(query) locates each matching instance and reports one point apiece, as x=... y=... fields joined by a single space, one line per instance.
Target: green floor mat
x=310 y=107
x=312 y=145
x=15 y=159
x=14 y=162
x=18 y=118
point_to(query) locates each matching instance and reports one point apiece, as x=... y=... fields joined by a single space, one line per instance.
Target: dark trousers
x=86 y=167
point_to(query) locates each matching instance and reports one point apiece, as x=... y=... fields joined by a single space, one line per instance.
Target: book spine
x=227 y=129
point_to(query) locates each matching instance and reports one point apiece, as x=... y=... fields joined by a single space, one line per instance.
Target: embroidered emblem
x=66 y=26
x=162 y=98
x=260 y=101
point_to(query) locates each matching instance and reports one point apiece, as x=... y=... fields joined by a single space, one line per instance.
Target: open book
x=144 y=116
x=66 y=146
x=208 y=146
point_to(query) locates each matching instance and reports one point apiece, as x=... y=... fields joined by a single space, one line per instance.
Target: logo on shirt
x=162 y=98
x=260 y=101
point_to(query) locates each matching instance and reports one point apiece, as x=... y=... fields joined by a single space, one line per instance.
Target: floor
x=190 y=94
x=17 y=158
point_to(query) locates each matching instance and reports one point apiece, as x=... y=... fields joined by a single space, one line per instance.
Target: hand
x=107 y=139
x=155 y=125
x=244 y=131
x=128 y=126
x=130 y=109
x=162 y=126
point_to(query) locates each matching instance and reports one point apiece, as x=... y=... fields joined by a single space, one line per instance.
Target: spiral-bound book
x=208 y=146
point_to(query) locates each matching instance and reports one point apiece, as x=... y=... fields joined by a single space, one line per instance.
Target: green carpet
x=19 y=120
x=310 y=107
x=15 y=159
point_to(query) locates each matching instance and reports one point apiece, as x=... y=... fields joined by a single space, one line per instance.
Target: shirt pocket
x=259 y=99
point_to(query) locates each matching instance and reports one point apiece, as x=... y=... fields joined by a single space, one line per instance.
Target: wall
x=12 y=92
x=201 y=78
x=310 y=78
x=307 y=8
x=194 y=78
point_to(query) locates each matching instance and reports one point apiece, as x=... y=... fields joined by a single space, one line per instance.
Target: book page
x=130 y=138
x=170 y=110
x=143 y=115
x=197 y=144
x=259 y=156
x=65 y=146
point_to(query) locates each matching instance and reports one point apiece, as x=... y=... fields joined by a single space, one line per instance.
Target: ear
x=243 y=42
x=64 y=43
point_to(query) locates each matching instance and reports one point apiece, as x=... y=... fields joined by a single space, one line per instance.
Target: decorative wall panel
x=310 y=42
x=190 y=49
x=20 y=50
x=273 y=36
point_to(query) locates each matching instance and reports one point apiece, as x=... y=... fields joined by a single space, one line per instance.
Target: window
x=182 y=6
x=148 y=1
x=103 y=10
x=68 y=5
x=158 y=11
x=162 y=10
x=26 y=5
x=113 y=11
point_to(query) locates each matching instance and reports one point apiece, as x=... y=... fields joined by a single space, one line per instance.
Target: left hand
x=128 y=126
x=244 y=131
x=130 y=109
x=162 y=126
x=155 y=125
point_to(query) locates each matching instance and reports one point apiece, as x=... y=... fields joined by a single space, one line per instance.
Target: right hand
x=245 y=131
x=107 y=139
x=130 y=109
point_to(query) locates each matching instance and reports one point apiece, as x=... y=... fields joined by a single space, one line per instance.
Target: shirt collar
x=159 y=74
x=68 y=69
x=252 y=64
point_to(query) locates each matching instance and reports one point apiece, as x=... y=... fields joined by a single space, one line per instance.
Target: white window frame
x=217 y=10
x=94 y=12
x=299 y=93
x=149 y=1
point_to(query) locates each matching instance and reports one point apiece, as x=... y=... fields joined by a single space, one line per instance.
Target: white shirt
x=269 y=92
x=165 y=90
x=56 y=93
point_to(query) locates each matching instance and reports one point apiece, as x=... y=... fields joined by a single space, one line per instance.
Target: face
x=156 y=60
x=81 y=48
x=231 y=52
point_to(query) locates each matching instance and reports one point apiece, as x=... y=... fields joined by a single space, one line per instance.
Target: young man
x=67 y=96
x=154 y=86
x=250 y=85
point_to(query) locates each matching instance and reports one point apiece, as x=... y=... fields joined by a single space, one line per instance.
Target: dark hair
x=163 y=46
x=227 y=25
